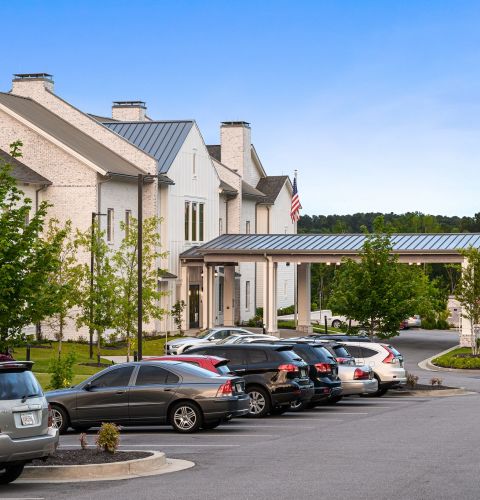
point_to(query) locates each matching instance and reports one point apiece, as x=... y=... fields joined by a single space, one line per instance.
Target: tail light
x=289 y=368
x=343 y=361
x=323 y=367
x=360 y=374
x=225 y=390
x=50 y=416
x=391 y=357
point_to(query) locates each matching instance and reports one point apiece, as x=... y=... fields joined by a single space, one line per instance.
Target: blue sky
x=376 y=103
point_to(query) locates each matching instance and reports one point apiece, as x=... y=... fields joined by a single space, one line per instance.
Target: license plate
x=27 y=419
x=303 y=372
x=238 y=388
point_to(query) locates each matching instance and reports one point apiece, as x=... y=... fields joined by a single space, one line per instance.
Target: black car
x=323 y=371
x=274 y=375
x=151 y=393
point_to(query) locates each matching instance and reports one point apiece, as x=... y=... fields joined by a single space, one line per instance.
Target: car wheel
x=9 y=473
x=60 y=419
x=298 y=405
x=336 y=323
x=186 y=417
x=259 y=402
x=334 y=399
x=211 y=425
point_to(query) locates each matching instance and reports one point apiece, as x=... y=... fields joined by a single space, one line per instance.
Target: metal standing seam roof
x=335 y=243
x=75 y=139
x=160 y=139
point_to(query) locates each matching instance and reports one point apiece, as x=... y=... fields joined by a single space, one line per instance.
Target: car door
x=105 y=398
x=151 y=393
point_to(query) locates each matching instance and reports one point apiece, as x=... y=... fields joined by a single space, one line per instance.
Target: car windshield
x=18 y=384
x=204 y=334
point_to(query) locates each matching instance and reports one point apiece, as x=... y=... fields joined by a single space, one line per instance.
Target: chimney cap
x=236 y=124
x=33 y=76
x=129 y=104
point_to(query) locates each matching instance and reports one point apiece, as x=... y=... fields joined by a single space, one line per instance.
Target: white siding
x=247 y=269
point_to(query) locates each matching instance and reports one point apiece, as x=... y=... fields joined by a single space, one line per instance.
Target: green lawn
x=42 y=357
x=452 y=360
x=290 y=324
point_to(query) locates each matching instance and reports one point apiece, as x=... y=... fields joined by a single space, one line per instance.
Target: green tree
x=468 y=293
x=377 y=291
x=125 y=260
x=97 y=303
x=26 y=259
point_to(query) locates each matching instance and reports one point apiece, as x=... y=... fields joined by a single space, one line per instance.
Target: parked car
x=211 y=363
x=414 y=321
x=274 y=375
x=151 y=393
x=246 y=339
x=26 y=430
x=340 y=337
x=177 y=346
x=385 y=361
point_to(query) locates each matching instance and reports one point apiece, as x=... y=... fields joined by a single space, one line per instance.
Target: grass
x=42 y=357
x=452 y=359
x=290 y=324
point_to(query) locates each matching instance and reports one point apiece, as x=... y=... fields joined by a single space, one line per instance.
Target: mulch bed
x=88 y=457
x=424 y=387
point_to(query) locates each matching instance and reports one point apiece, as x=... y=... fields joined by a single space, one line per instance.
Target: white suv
x=385 y=361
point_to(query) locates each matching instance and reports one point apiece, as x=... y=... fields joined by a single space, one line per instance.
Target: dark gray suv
x=25 y=430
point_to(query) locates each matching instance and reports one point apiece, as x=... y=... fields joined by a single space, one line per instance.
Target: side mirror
x=88 y=387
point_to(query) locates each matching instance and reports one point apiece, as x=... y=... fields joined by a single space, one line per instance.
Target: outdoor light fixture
x=328 y=263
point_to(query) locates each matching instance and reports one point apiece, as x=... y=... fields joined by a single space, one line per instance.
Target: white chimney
x=129 y=111
x=236 y=142
x=31 y=84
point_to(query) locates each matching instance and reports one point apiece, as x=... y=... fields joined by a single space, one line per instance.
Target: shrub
x=436 y=381
x=177 y=313
x=411 y=380
x=108 y=438
x=61 y=369
x=83 y=441
x=283 y=311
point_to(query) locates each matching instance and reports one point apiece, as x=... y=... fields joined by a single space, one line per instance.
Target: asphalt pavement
x=404 y=448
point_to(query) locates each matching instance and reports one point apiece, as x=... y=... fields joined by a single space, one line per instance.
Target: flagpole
x=295 y=284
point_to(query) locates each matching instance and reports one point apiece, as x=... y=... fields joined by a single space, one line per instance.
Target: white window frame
x=110 y=225
x=247 y=295
x=247 y=227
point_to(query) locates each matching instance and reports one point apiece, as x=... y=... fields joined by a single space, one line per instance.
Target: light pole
x=92 y=263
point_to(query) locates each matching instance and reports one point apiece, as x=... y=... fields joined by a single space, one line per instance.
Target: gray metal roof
x=21 y=172
x=334 y=243
x=85 y=145
x=160 y=139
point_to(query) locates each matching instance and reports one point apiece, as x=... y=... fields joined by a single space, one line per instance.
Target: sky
x=375 y=103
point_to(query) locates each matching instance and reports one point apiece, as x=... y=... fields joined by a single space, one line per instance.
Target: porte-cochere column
x=303 y=300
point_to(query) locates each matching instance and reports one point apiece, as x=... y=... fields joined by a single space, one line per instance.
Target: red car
x=211 y=363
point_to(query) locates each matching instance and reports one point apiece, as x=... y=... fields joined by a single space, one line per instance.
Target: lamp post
x=92 y=263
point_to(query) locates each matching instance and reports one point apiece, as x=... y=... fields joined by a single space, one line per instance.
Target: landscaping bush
x=61 y=369
x=283 y=311
x=83 y=441
x=412 y=380
x=108 y=438
x=459 y=358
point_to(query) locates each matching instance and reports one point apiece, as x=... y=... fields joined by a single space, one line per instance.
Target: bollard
x=135 y=356
x=264 y=331
x=326 y=326
x=28 y=352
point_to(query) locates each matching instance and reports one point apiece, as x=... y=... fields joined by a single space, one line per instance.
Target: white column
x=211 y=296
x=270 y=297
x=466 y=329
x=304 y=302
x=205 y=292
x=184 y=296
x=228 y=295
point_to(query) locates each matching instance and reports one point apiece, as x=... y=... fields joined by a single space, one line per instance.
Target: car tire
x=259 y=402
x=211 y=425
x=9 y=473
x=297 y=406
x=336 y=323
x=334 y=400
x=60 y=419
x=186 y=417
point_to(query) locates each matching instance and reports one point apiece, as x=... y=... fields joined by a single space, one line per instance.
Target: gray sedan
x=151 y=393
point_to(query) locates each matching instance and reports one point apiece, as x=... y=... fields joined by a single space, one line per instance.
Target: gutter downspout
x=37 y=196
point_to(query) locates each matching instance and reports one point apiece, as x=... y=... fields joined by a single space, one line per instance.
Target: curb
x=149 y=466
x=456 y=391
x=427 y=364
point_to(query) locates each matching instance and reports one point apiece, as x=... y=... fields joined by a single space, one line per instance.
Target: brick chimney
x=129 y=111
x=31 y=84
x=235 y=139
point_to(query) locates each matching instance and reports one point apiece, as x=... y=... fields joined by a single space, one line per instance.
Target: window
x=220 y=226
x=247 y=295
x=200 y=221
x=110 y=222
x=154 y=375
x=247 y=227
x=235 y=356
x=220 y=295
x=187 y=220
x=128 y=218
x=194 y=163
x=194 y=221
x=255 y=356
x=16 y=384
x=285 y=288
x=118 y=377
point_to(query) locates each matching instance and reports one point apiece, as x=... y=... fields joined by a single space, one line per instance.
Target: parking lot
x=394 y=447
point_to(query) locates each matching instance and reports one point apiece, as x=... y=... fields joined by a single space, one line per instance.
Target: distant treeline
x=410 y=222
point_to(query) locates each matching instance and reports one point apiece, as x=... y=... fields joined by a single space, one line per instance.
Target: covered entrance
x=194 y=306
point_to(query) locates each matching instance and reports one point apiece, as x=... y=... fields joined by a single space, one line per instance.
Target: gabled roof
x=249 y=191
x=227 y=189
x=271 y=186
x=215 y=151
x=21 y=172
x=160 y=139
x=86 y=146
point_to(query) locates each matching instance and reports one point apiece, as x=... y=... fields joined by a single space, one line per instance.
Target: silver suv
x=25 y=428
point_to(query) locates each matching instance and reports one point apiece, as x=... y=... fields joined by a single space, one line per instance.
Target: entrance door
x=194 y=305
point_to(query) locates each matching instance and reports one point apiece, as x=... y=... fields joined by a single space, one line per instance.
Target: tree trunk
x=473 y=338
x=60 y=335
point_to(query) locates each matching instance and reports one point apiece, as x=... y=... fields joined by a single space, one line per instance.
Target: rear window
x=341 y=352
x=18 y=384
x=324 y=353
x=197 y=371
x=291 y=355
x=361 y=352
x=255 y=356
x=223 y=370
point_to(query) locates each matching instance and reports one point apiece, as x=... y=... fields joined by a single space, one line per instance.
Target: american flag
x=296 y=206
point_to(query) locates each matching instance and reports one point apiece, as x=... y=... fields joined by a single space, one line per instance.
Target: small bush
x=108 y=438
x=61 y=369
x=436 y=381
x=283 y=311
x=412 y=380
x=83 y=441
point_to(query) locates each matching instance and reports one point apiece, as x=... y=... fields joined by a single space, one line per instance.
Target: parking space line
x=319 y=412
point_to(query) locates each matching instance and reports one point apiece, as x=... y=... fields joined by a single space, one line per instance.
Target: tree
x=26 y=259
x=64 y=282
x=468 y=293
x=377 y=291
x=125 y=260
x=97 y=303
